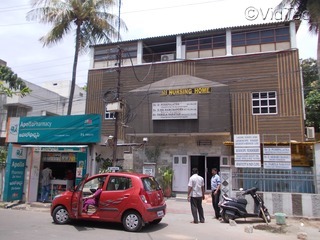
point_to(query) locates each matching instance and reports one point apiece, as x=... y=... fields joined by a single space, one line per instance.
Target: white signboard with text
x=174 y=110
x=275 y=157
x=247 y=153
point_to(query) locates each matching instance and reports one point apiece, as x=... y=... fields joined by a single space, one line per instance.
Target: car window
x=150 y=184
x=92 y=184
x=119 y=183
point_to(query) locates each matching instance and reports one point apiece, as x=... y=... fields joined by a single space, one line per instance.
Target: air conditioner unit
x=167 y=57
x=310 y=132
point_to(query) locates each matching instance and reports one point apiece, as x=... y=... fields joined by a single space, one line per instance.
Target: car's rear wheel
x=60 y=215
x=132 y=221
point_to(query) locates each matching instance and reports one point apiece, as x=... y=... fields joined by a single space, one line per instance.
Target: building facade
x=190 y=94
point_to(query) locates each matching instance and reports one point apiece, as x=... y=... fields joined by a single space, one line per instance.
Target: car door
x=117 y=196
x=76 y=199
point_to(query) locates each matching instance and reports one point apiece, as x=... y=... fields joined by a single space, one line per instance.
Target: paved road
x=37 y=225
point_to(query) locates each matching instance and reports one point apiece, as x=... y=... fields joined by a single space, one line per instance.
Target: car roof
x=127 y=174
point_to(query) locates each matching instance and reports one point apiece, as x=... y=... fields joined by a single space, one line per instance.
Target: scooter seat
x=242 y=201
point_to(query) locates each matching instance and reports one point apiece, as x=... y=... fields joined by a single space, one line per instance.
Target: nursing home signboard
x=55 y=129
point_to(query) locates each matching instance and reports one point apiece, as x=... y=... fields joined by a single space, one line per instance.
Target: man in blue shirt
x=215 y=191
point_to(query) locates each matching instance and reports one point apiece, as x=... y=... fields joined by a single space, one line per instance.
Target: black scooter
x=232 y=208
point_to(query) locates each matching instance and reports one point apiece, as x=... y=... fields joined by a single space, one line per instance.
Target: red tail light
x=143 y=195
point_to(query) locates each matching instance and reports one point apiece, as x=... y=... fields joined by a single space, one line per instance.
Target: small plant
x=104 y=163
x=167 y=177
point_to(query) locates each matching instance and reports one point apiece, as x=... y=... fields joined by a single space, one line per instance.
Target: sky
x=25 y=55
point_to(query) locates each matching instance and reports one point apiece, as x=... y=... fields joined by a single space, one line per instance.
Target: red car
x=132 y=199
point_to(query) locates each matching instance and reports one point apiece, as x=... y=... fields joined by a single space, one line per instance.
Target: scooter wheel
x=268 y=217
x=226 y=217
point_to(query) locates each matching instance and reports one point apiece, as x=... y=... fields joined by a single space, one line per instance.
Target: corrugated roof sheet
x=203 y=31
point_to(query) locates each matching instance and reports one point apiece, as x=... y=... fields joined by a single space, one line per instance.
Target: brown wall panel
x=241 y=74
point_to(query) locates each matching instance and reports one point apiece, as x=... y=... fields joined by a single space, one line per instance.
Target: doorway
x=204 y=165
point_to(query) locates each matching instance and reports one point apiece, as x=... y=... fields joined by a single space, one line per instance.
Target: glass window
x=184 y=160
x=150 y=184
x=109 y=115
x=264 y=103
x=119 y=183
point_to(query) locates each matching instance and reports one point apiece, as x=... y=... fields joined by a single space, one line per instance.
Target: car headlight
x=57 y=196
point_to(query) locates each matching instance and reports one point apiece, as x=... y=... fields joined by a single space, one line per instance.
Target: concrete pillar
x=139 y=52
x=228 y=42
x=293 y=39
x=179 y=47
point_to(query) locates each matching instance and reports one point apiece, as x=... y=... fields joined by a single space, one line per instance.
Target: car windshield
x=150 y=184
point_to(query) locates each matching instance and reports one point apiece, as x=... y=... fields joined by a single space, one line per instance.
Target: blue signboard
x=14 y=180
x=55 y=129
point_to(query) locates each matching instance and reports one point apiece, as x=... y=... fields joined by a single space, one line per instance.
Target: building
x=59 y=147
x=191 y=95
x=51 y=99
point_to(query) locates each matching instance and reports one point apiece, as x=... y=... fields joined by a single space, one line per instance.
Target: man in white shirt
x=196 y=195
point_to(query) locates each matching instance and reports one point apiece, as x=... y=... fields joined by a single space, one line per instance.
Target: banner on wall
x=55 y=129
x=15 y=170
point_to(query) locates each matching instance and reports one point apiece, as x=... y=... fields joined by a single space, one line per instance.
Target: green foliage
x=16 y=86
x=3 y=156
x=105 y=163
x=167 y=176
x=92 y=22
x=312 y=94
x=310 y=74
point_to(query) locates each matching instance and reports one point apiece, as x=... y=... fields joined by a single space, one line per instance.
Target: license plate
x=160 y=214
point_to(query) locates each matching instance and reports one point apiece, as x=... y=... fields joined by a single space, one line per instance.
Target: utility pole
x=116 y=114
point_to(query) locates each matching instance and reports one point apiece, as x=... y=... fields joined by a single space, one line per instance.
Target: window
x=207 y=42
x=260 y=37
x=109 y=115
x=119 y=183
x=150 y=184
x=264 y=103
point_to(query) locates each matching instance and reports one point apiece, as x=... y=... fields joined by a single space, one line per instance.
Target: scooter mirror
x=240 y=189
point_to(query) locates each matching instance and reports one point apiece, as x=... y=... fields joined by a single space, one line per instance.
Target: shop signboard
x=55 y=129
x=14 y=178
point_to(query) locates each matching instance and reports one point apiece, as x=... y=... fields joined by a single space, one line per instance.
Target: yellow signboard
x=186 y=91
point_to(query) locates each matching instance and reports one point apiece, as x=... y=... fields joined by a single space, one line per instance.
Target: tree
x=14 y=84
x=90 y=20
x=309 y=9
x=312 y=94
x=310 y=74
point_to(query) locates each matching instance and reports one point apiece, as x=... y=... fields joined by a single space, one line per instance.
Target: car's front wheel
x=132 y=221
x=60 y=215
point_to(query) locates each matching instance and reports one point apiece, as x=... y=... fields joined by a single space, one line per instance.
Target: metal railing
x=274 y=180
